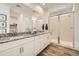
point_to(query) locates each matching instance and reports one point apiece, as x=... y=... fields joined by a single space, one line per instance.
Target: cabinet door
x=27 y=49
x=37 y=44
x=11 y=52
x=54 y=28
x=44 y=40
x=41 y=42
x=47 y=39
x=66 y=32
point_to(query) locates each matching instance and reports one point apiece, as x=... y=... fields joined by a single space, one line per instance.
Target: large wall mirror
x=17 y=17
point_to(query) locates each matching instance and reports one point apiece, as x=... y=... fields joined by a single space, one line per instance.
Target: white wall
x=76 y=25
x=4 y=9
x=45 y=17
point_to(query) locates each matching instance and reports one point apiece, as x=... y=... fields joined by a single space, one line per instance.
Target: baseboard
x=54 y=41
x=66 y=44
x=63 y=43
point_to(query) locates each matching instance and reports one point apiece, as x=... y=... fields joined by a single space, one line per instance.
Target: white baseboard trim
x=54 y=41
x=66 y=44
x=63 y=43
x=76 y=48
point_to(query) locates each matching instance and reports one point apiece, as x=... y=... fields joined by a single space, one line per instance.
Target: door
x=27 y=49
x=45 y=39
x=41 y=42
x=54 y=28
x=38 y=44
x=66 y=30
x=15 y=51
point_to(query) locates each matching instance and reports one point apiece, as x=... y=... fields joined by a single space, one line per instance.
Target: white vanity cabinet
x=20 y=47
x=41 y=41
x=45 y=40
x=37 y=44
x=11 y=52
x=25 y=47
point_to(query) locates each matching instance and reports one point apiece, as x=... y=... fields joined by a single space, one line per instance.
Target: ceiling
x=49 y=6
x=40 y=8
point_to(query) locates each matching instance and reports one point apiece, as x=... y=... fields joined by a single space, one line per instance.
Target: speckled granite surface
x=57 y=50
x=4 y=38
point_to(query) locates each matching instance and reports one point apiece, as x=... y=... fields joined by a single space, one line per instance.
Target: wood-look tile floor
x=57 y=50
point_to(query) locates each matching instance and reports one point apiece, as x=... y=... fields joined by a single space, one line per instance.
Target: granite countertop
x=9 y=37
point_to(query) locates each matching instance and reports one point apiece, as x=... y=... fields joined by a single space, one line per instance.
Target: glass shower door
x=66 y=30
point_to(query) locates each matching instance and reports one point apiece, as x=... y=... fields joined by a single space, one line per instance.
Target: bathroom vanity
x=25 y=45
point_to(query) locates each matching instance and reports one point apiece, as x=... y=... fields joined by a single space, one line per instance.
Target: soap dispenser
x=43 y=27
x=46 y=27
